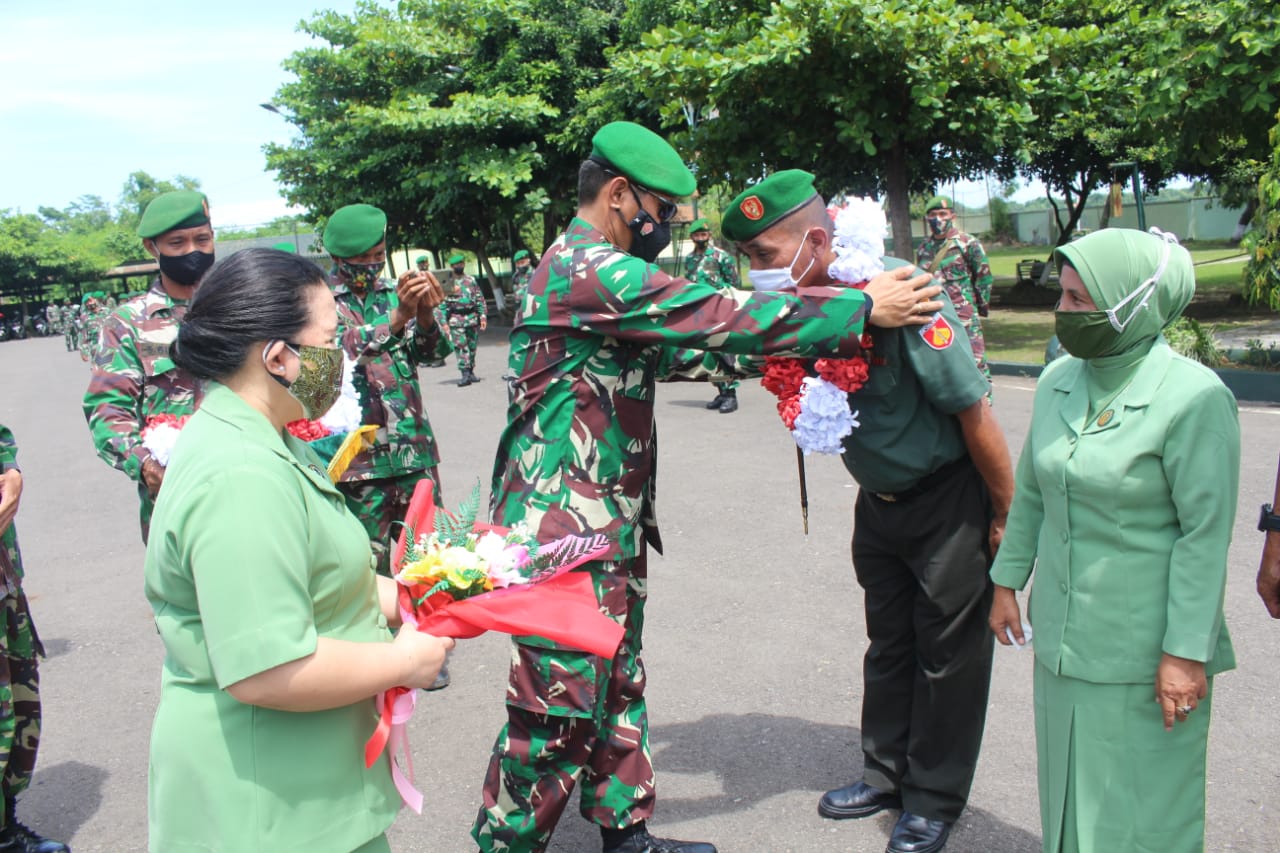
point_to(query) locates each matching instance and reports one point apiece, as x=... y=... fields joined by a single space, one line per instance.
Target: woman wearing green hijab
x=1124 y=502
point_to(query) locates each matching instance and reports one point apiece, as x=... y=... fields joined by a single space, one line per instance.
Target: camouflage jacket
x=963 y=267
x=520 y=279
x=386 y=378
x=579 y=449
x=134 y=378
x=713 y=266
x=467 y=301
x=10 y=559
x=91 y=334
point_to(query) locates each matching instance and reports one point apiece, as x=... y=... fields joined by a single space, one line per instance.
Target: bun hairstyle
x=253 y=296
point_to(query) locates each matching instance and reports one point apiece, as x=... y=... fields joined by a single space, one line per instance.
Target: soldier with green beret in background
x=959 y=263
x=464 y=312
x=521 y=275
x=388 y=329
x=134 y=379
x=709 y=264
x=935 y=484
x=600 y=325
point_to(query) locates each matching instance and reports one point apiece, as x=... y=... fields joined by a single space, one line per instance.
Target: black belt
x=927 y=483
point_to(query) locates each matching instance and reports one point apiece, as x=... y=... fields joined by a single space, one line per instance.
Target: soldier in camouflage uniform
x=521 y=275
x=387 y=336
x=708 y=264
x=577 y=457
x=19 y=673
x=133 y=376
x=464 y=313
x=53 y=316
x=94 y=314
x=71 y=327
x=959 y=264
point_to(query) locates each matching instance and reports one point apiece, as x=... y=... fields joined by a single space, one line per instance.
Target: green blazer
x=1126 y=523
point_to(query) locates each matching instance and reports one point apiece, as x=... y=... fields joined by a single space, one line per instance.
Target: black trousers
x=923 y=564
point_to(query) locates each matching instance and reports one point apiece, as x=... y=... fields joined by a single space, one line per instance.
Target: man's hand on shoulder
x=902 y=297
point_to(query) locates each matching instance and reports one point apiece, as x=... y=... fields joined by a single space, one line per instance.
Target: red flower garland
x=784 y=375
x=307 y=430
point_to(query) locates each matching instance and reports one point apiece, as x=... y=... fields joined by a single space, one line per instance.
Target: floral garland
x=813 y=395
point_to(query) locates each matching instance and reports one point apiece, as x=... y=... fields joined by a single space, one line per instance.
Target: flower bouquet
x=337 y=436
x=459 y=578
x=160 y=433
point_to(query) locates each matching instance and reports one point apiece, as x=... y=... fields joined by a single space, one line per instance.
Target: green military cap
x=762 y=206
x=643 y=156
x=523 y=253
x=179 y=209
x=285 y=246
x=421 y=259
x=457 y=258
x=354 y=230
x=939 y=202
x=699 y=225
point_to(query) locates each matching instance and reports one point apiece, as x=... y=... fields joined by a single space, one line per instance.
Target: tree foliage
x=1262 y=274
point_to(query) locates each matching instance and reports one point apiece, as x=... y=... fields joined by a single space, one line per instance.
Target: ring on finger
x=1184 y=710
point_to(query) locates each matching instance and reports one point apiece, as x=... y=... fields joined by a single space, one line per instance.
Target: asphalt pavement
x=754 y=637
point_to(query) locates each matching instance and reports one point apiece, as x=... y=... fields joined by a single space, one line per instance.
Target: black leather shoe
x=915 y=834
x=16 y=838
x=716 y=403
x=729 y=405
x=643 y=842
x=857 y=800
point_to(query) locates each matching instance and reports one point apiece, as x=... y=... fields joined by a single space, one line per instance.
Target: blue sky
x=91 y=91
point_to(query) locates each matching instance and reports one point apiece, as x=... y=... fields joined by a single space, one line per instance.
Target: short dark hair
x=591 y=179
x=254 y=295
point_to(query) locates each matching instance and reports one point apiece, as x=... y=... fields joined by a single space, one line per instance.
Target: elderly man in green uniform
x=134 y=379
x=464 y=313
x=935 y=485
x=578 y=457
x=19 y=674
x=387 y=330
x=960 y=264
x=708 y=264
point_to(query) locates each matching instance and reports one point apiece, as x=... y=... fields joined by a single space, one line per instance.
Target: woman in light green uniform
x=274 y=624
x=1124 y=502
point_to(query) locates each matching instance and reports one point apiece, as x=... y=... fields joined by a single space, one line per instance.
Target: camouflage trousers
x=71 y=339
x=19 y=680
x=380 y=505
x=573 y=718
x=464 y=336
x=962 y=300
x=723 y=387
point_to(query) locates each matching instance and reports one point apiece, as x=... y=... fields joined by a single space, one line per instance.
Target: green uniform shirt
x=1126 y=521
x=919 y=378
x=254 y=557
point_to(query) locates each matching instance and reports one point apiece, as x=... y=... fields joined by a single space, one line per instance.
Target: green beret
x=457 y=258
x=354 y=230
x=643 y=156
x=699 y=225
x=421 y=259
x=762 y=206
x=939 y=202
x=167 y=211
x=285 y=246
x=523 y=253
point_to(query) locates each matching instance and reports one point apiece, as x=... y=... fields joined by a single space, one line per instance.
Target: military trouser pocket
x=558 y=682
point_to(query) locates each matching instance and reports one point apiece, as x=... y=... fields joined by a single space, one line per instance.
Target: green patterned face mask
x=319 y=381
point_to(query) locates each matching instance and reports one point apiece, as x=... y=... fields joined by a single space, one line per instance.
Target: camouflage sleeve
x=8 y=450
x=681 y=364
x=729 y=270
x=690 y=266
x=429 y=344
x=980 y=269
x=113 y=402
x=637 y=302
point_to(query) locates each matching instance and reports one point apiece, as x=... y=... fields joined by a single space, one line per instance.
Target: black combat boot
x=465 y=380
x=730 y=403
x=16 y=838
x=636 y=839
x=471 y=374
x=717 y=402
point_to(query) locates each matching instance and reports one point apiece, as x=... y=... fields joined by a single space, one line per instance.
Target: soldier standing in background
x=71 y=326
x=134 y=379
x=53 y=316
x=19 y=673
x=959 y=263
x=521 y=275
x=92 y=316
x=711 y=265
x=464 y=311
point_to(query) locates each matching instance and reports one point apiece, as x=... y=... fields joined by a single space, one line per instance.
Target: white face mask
x=779 y=278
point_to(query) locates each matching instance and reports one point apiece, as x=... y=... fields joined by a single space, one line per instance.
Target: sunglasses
x=666 y=209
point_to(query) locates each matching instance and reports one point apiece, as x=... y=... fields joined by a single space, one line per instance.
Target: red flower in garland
x=782 y=376
x=789 y=410
x=846 y=374
x=307 y=430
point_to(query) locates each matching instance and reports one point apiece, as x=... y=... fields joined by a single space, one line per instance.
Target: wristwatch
x=1268 y=521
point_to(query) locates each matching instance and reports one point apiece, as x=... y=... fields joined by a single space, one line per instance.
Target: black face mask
x=459 y=270
x=648 y=236
x=187 y=269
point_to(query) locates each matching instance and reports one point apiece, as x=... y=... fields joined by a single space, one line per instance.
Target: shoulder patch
x=938 y=334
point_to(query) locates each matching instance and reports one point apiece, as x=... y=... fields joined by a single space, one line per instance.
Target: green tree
x=1262 y=274
x=889 y=98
